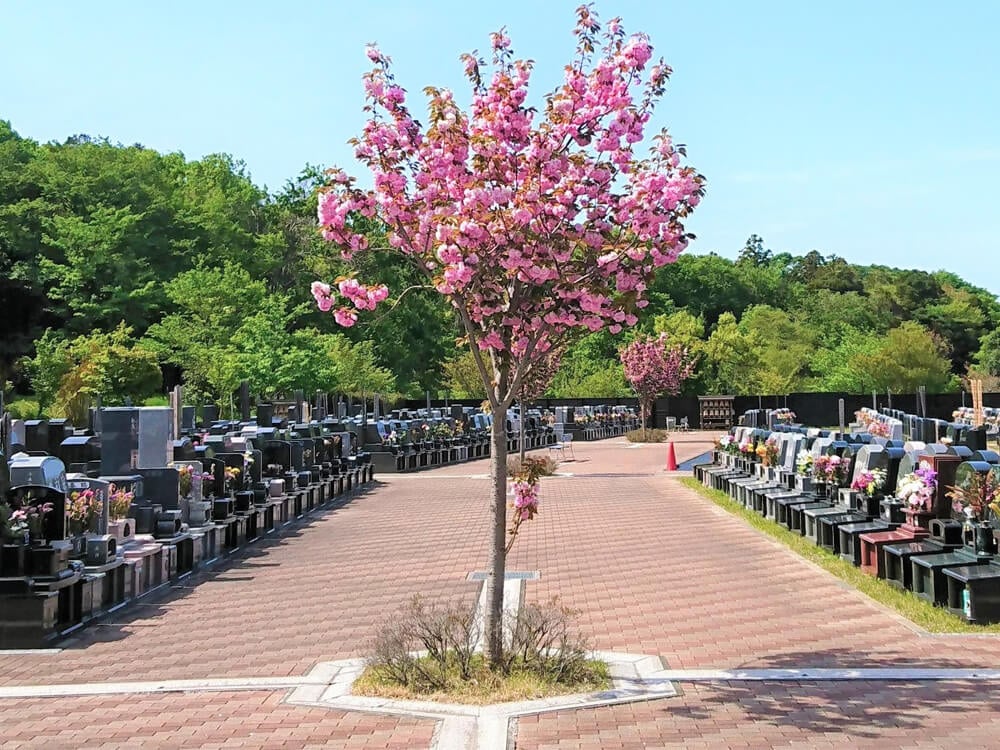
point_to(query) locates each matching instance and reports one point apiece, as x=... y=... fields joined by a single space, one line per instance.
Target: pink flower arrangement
x=829 y=469
x=869 y=482
x=119 y=501
x=186 y=475
x=918 y=488
x=879 y=429
x=29 y=518
x=84 y=506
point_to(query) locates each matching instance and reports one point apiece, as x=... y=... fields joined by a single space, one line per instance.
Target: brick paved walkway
x=653 y=567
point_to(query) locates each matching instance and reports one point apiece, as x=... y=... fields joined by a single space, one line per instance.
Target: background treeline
x=119 y=264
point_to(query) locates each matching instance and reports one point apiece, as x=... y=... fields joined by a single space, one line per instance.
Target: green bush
x=24 y=408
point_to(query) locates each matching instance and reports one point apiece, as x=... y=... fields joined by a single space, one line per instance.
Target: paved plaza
x=652 y=566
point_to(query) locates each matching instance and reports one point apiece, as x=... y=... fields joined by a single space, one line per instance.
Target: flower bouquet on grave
x=804 y=463
x=185 y=479
x=867 y=491
x=977 y=500
x=13 y=542
x=916 y=491
x=120 y=526
x=870 y=482
x=13 y=525
x=724 y=444
x=830 y=469
x=82 y=510
x=767 y=452
x=829 y=474
x=879 y=429
x=784 y=416
x=729 y=445
x=391 y=442
x=233 y=479
x=119 y=502
x=32 y=516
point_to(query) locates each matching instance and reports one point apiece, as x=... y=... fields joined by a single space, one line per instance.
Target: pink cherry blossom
x=653 y=367
x=345 y=317
x=538 y=224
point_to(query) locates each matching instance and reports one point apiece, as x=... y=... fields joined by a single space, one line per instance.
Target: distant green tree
x=754 y=253
x=731 y=357
x=913 y=356
x=705 y=285
x=849 y=364
x=591 y=369
x=783 y=348
x=987 y=359
x=69 y=375
x=461 y=377
x=215 y=312
x=960 y=319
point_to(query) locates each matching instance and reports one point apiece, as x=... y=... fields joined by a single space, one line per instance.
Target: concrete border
x=636 y=677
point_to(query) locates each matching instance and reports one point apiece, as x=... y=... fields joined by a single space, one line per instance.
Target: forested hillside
x=117 y=260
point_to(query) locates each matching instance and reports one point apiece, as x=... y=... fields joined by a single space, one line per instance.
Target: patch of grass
x=650 y=435
x=485 y=686
x=922 y=613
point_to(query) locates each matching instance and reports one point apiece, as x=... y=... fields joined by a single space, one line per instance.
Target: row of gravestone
x=930 y=548
x=405 y=440
x=193 y=498
x=899 y=426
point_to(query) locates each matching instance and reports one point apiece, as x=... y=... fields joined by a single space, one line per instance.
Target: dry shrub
x=541 y=639
x=539 y=642
x=647 y=436
x=542 y=466
x=448 y=633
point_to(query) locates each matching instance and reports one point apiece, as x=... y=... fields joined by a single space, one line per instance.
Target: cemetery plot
x=92 y=519
x=409 y=440
x=884 y=494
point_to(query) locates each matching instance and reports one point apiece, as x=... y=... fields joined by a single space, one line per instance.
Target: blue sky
x=866 y=129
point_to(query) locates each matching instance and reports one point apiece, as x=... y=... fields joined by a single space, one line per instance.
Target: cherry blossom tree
x=536 y=225
x=653 y=367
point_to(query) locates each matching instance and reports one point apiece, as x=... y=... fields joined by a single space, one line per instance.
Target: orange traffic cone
x=671 y=458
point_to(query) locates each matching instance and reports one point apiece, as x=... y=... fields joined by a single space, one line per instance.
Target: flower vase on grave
x=78 y=539
x=892 y=510
x=819 y=488
x=122 y=529
x=857 y=501
x=13 y=556
x=985 y=542
x=918 y=518
x=871 y=504
x=35 y=539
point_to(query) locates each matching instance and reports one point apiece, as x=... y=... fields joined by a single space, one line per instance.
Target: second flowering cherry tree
x=537 y=225
x=653 y=367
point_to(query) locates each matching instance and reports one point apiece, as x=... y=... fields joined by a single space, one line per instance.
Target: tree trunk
x=493 y=624
x=521 y=436
x=642 y=418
